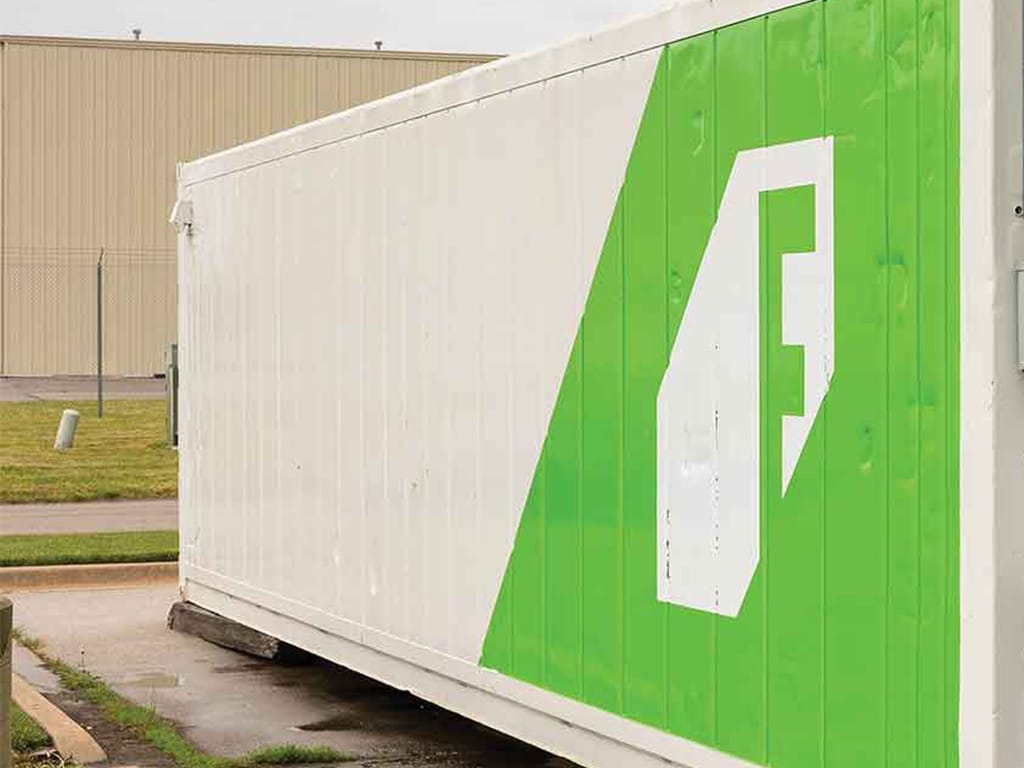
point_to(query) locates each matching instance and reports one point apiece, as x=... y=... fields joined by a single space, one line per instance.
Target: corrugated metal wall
x=393 y=388
x=91 y=134
x=426 y=313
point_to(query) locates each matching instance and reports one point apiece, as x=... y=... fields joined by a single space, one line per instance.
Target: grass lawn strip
x=121 y=456
x=85 y=548
x=162 y=733
x=26 y=735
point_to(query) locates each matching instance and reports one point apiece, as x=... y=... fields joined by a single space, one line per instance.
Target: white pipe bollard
x=66 y=430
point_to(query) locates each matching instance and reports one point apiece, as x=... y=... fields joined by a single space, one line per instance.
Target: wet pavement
x=228 y=703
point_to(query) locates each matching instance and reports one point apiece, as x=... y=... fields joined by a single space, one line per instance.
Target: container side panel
x=369 y=153
x=462 y=338
x=410 y=332
x=794 y=524
x=349 y=529
x=644 y=275
x=438 y=553
x=554 y=289
x=251 y=360
x=903 y=380
x=856 y=441
x=740 y=642
x=394 y=242
x=528 y=640
x=423 y=370
x=564 y=547
x=935 y=690
x=498 y=338
x=828 y=660
x=602 y=479
x=948 y=409
x=692 y=202
x=266 y=360
x=316 y=412
x=417 y=407
x=562 y=451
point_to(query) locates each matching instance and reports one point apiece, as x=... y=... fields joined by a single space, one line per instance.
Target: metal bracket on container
x=181 y=216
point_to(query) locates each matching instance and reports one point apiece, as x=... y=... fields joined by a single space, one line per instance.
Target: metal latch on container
x=181 y=216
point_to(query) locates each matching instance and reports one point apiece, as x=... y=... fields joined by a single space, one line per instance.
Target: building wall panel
x=92 y=133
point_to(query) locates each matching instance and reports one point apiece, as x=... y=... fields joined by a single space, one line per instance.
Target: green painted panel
x=936 y=314
x=644 y=221
x=528 y=594
x=845 y=651
x=563 y=504
x=602 y=478
x=691 y=187
x=904 y=385
x=856 y=439
x=795 y=71
x=739 y=649
x=947 y=406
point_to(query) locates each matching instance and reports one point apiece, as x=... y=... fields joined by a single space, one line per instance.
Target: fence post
x=172 y=394
x=99 y=336
x=6 y=647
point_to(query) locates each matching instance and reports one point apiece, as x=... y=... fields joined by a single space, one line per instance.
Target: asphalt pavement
x=228 y=703
x=89 y=517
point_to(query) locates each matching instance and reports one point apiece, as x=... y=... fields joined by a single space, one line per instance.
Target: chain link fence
x=48 y=310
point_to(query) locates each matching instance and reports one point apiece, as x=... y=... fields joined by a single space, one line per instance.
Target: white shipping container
x=655 y=398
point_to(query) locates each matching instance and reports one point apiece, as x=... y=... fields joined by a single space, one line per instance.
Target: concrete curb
x=100 y=576
x=71 y=740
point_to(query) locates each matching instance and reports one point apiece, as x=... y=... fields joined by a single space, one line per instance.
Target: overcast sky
x=486 y=26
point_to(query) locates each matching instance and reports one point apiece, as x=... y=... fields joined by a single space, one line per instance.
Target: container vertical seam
x=765 y=377
x=920 y=399
x=822 y=551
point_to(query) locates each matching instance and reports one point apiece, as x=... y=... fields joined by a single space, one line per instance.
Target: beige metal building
x=90 y=134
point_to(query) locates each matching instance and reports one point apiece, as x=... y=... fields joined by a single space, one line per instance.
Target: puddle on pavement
x=155 y=680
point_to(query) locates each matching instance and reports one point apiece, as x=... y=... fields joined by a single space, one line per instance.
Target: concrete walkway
x=229 y=704
x=26 y=388
x=89 y=517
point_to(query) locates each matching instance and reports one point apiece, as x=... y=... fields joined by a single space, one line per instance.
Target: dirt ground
x=122 y=747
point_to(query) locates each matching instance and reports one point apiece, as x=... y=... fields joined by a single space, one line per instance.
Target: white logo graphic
x=709 y=432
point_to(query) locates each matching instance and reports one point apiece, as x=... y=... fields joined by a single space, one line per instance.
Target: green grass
x=26 y=735
x=162 y=733
x=121 y=456
x=80 y=548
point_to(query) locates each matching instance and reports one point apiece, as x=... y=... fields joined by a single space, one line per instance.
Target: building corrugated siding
x=91 y=132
